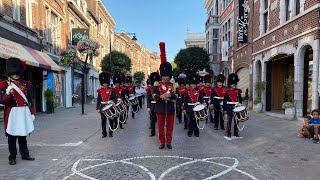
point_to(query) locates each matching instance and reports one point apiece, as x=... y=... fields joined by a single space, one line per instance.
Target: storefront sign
x=243 y=21
x=78 y=34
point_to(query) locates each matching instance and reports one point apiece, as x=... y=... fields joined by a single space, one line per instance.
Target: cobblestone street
x=68 y=145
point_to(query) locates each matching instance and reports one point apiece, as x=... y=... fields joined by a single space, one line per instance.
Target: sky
x=154 y=21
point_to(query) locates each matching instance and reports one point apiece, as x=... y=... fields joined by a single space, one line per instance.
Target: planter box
x=50 y=108
x=290 y=114
x=258 y=108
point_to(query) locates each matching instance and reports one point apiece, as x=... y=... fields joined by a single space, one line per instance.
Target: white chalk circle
x=161 y=177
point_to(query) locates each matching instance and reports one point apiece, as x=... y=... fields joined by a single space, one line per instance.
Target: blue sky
x=158 y=20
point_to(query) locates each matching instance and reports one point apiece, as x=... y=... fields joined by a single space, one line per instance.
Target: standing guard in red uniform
x=232 y=99
x=131 y=90
x=120 y=95
x=217 y=97
x=207 y=89
x=105 y=94
x=15 y=94
x=165 y=97
x=151 y=103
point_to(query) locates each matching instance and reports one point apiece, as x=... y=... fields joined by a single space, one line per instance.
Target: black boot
x=161 y=146
x=12 y=162
x=28 y=158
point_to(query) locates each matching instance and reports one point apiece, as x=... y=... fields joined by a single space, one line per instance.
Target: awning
x=32 y=57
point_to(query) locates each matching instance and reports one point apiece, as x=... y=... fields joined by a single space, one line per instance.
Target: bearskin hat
x=221 y=78
x=15 y=66
x=207 y=78
x=128 y=79
x=193 y=78
x=201 y=79
x=233 y=79
x=116 y=78
x=182 y=81
x=154 y=77
x=166 y=69
x=104 y=77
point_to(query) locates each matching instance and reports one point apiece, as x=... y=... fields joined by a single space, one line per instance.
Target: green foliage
x=192 y=58
x=176 y=72
x=138 y=77
x=289 y=87
x=173 y=64
x=246 y=95
x=259 y=87
x=55 y=104
x=256 y=101
x=49 y=95
x=121 y=63
x=287 y=105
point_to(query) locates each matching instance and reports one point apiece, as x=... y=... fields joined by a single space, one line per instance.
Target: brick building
x=286 y=43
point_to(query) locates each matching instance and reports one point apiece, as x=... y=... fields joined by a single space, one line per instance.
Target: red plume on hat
x=163 y=52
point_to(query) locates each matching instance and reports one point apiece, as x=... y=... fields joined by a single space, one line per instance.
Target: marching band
x=195 y=99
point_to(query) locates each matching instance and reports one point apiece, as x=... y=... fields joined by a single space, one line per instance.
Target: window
x=29 y=13
x=265 y=22
x=102 y=51
x=288 y=9
x=299 y=6
x=79 y=3
x=16 y=10
x=101 y=26
x=264 y=16
x=217 y=8
x=84 y=5
x=55 y=33
x=226 y=32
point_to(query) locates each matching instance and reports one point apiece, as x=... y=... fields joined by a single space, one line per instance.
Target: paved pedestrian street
x=68 y=145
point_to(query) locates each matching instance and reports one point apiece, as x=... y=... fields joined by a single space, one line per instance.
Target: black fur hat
x=166 y=69
x=193 y=78
x=154 y=77
x=207 y=78
x=200 y=79
x=233 y=79
x=182 y=81
x=104 y=77
x=221 y=78
x=128 y=79
x=116 y=78
x=15 y=66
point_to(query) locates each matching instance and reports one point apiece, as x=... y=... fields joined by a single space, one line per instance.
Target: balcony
x=212 y=21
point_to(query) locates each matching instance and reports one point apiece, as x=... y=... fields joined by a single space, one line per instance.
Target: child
x=313 y=125
x=304 y=132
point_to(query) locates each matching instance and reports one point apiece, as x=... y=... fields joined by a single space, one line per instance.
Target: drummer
x=231 y=100
x=131 y=91
x=216 y=99
x=105 y=94
x=200 y=84
x=120 y=95
x=192 y=98
x=207 y=89
x=153 y=80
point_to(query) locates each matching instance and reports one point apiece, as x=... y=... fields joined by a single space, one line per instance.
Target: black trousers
x=23 y=148
x=153 y=120
x=179 y=112
x=121 y=118
x=140 y=101
x=186 y=121
x=218 y=116
x=134 y=108
x=193 y=128
x=112 y=122
x=230 y=119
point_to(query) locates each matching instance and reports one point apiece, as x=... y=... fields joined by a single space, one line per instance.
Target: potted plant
x=90 y=98
x=76 y=100
x=245 y=98
x=259 y=87
x=50 y=101
x=289 y=106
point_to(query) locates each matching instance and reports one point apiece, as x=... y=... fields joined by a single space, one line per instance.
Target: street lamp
x=134 y=38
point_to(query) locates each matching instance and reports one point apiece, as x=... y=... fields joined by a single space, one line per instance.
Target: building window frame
x=29 y=13
x=16 y=10
x=264 y=16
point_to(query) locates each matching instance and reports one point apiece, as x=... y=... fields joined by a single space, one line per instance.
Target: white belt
x=192 y=104
x=131 y=95
x=232 y=102
x=105 y=102
x=206 y=97
x=218 y=97
x=139 y=95
x=153 y=102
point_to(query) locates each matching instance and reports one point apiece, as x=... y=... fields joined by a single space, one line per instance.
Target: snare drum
x=133 y=101
x=110 y=111
x=200 y=112
x=240 y=113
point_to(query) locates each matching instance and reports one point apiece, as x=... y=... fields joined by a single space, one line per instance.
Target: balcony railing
x=212 y=20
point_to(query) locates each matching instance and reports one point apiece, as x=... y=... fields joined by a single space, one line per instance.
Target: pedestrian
x=15 y=94
x=139 y=92
x=216 y=100
x=165 y=98
x=153 y=80
x=192 y=98
x=230 y=101
x=105 y=96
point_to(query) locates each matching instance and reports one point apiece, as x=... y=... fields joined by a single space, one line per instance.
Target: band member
x=15 y=94
x=153 y=80
x=105 y=94
x=200 y=84
x=216 y=99
x=191 y=99
x=232 y=99
x=207 y=89
x=131 y=90
x=120 y=94
x=181 y=92
x=164 y=96
x=139 y=92
x=126 y=93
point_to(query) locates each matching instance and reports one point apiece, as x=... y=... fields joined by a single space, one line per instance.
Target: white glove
x=33 y=117
x=9 y=88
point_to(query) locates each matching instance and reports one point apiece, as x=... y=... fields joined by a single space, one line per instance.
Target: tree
x=121 y=63
x=176 y=72
x=192 y=58
x=138 y=77
x=173 y=64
